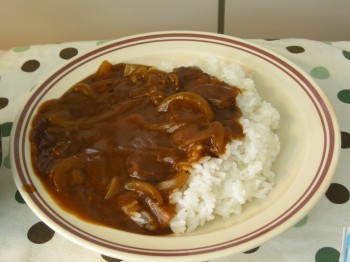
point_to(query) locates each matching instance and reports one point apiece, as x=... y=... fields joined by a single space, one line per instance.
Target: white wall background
x=28 y=22
x=314 y=19
x=24 y=22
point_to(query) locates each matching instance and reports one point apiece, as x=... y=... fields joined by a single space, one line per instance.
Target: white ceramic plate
x=309 y=138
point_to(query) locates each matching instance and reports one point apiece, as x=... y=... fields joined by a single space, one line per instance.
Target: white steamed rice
x=221 y=186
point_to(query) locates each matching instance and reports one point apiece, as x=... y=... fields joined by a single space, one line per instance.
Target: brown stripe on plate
x=326 y=120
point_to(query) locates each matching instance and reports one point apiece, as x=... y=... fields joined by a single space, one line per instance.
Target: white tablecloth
x=317 y=237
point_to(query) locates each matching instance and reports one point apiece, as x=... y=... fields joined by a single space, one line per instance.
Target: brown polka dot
x=295 y=49
x=337 y=193
x=68 y=53
x=345 y=140
x=40 y=233
x=110 y=259
x=30 y=66
x=252 y=250
x=3 y=102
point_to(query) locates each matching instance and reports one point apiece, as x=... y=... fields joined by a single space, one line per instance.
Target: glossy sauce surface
x=115 y=145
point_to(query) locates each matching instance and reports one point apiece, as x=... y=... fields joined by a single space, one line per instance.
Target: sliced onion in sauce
x=169 y=127
x=83 y=89
x=61 y=171
x=114 y=187
x=215 y=132
x=144 y=189
x=63 y=119
x=196 y=100
x=175 y=182
x=104 y=68
x=162 y=214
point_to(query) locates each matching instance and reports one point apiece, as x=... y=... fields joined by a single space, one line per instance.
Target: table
x=317 y=237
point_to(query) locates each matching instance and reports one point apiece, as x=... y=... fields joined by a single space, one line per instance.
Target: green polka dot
x=20 y=49
x=100 y=42
x=346 y=54
x=344 y=96
x=320 y=72
x=7 y=162
x=327 y=254
x=302 y=222
x=19 y=197
x=6 y=129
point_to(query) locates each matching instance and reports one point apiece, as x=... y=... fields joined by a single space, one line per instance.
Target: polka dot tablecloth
x=317 y=237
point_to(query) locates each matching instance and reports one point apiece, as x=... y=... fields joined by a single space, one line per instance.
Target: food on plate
x=156 y=150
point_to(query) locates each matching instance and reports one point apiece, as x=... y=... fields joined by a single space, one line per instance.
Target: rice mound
x=221 y=186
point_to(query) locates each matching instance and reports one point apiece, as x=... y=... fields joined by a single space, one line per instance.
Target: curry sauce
x=115 y=145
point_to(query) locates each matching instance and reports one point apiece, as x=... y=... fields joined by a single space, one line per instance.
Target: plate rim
x=215 y=38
